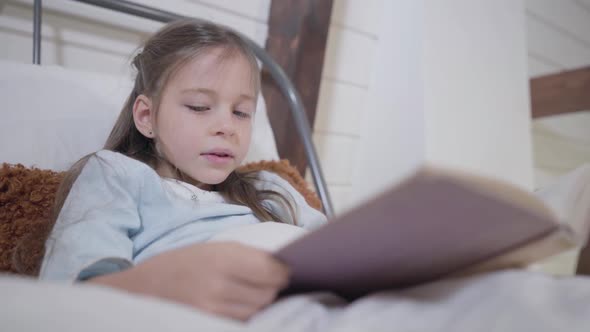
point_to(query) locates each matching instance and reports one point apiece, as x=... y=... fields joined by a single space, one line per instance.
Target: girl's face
x=204 y=122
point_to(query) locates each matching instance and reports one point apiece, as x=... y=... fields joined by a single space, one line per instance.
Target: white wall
x=440 y=82
x=392 y=140
x=84 y=37
x=476 y=88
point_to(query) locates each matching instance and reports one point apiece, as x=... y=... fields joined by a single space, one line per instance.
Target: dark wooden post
x=564 y=92
x=298 y=31
x=583 y=267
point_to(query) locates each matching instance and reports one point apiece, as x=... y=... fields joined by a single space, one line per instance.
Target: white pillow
x=52 y=116
x=269 y=236
x=569 y=199
x=29 y=305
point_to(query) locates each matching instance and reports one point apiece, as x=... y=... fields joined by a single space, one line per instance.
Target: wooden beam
x=298 y=31
x=564 y=92
x=583 y=267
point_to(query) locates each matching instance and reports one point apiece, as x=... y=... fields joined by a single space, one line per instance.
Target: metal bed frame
x=285 y=85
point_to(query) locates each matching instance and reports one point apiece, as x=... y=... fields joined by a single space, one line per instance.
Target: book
x=436 y=223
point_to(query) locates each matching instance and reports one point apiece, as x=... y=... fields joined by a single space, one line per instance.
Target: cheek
x=184 y=135
x=178 y=131
x=246 y=134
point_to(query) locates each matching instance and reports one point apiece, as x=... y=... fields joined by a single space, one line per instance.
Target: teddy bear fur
x=26 y=201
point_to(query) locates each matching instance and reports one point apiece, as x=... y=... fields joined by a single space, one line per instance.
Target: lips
x=218 y=157
x=221 y=153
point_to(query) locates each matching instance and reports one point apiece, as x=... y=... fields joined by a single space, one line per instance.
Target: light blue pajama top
x=120 y=212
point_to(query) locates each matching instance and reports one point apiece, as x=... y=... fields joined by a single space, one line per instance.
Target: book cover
x=432 y=225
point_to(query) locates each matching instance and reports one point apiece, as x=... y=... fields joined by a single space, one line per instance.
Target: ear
x=143 y=116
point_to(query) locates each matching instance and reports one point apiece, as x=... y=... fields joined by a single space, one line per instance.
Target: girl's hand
x=227 y=279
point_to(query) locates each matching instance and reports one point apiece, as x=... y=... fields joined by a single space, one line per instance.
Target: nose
x=224 y=126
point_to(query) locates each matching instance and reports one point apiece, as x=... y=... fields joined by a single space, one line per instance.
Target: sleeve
x=306 y=216
x=92 y=235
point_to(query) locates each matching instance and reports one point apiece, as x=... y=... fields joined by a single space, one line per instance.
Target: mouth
x=222 y=153
x=218 y=156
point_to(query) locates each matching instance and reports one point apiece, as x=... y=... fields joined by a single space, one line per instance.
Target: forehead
x=218 y=70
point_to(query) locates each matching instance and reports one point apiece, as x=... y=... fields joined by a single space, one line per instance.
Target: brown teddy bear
x=26 y=200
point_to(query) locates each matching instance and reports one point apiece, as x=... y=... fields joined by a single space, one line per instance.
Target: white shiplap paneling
x=102 y=47
x=339 y=108
x=341 y=197
x=257 y=10
x=566 y=16
x=349 y=56
x=362 y=16
x=78 y=35
x=558 y=35
x=252 y=28
x=337 y=155
x=538 y=67
x=545 y=41
x=348 y=66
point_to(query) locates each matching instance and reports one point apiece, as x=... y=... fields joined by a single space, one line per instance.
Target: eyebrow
x=214 y=93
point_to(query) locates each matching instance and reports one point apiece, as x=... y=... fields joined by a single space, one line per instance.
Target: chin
x=213 y=178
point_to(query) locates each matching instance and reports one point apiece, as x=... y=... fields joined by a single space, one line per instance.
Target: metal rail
x=37 y=32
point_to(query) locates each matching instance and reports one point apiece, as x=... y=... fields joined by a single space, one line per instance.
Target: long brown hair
x=162 y=55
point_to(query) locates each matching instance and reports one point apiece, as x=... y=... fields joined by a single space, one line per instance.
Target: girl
x=137 y=215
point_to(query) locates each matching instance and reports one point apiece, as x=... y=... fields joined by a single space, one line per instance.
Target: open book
x=434 y=224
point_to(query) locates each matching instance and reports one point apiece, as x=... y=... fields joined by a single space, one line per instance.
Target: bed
x=513 y=300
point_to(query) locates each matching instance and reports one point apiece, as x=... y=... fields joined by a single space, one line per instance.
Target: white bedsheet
x=501 y=301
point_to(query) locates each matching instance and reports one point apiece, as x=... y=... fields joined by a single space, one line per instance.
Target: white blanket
x=501 y=301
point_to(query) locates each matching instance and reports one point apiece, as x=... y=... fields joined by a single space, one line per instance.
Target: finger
x=261 y=269
x=238 y=311
x=246 y=294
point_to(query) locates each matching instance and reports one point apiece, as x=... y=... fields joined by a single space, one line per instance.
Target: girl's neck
x=167 y=172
